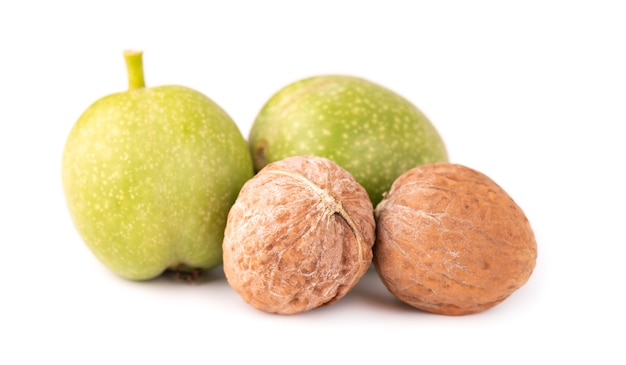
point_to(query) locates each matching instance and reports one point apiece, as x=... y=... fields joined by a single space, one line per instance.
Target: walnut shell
x=451 y=241
x=299 y=236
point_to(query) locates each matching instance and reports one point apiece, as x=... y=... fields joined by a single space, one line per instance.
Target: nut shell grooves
x=451 y=241
x=299 y=236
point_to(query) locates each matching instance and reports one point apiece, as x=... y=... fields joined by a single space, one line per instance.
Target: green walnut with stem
x=149 y=175
x=369 y=130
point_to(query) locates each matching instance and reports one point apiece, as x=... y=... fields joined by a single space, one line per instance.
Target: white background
x=532 y=93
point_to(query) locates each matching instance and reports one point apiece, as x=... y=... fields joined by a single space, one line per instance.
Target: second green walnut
x=367 y=129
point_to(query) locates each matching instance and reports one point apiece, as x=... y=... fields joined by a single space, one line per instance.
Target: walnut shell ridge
x=299 y=236
x=451 y=241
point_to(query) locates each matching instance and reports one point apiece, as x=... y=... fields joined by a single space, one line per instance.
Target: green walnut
x=149 y=175
x=369 y=130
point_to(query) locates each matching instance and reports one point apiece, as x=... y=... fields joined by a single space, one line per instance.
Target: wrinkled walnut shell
x=451 y=241
x=299 y=236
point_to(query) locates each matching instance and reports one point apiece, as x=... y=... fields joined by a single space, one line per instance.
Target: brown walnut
x=451 y=241
x=299 y=236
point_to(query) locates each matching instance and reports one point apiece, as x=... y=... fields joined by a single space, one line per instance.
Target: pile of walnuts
x=445 y=239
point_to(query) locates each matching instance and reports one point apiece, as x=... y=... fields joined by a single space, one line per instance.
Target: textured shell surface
x=299 y=236
x=451 y=241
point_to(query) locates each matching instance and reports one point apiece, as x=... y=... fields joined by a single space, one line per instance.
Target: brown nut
x=299 y=236
x=451 y=241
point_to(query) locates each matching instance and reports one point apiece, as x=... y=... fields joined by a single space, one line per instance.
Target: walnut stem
x=134 y=67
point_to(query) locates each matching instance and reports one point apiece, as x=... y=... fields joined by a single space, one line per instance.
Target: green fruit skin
x=369 y=130
x=149 y=176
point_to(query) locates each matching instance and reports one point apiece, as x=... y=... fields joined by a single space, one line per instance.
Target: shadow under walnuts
x=371 y=290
